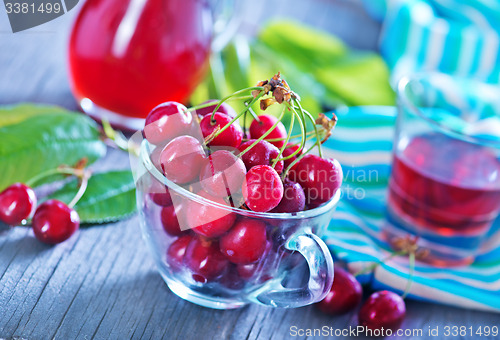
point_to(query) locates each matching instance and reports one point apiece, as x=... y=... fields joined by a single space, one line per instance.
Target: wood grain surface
x=102 y=283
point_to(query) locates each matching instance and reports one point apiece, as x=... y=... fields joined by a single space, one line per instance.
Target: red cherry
x=155 y=155
x=170 y=221
x=257 y=129
x=207 y=220
x=222 y=174
x=231 y=136
x=176 y=251
x=382 y=309
x=263 y=153
x=205 y=260
x=320 y=178
x=181 y=159
x=159 y=193
x=345 y=294
x=232 y=280
x=262 y=188
x=247 y=271
x=17 y=203
x=290 y=148
x=246 y=242
x=224 y=109
x=54 y=222
x=167 y=121
x=293 y=200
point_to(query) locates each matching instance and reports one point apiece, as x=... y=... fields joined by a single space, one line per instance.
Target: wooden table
x=102 y=283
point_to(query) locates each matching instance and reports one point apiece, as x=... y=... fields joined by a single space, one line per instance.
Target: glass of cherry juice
x=127 y=56
x=445 y=181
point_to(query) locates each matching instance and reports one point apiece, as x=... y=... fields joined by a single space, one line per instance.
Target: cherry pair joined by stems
x=53 y=221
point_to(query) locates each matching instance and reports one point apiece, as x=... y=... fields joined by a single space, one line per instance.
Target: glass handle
x=320 y=263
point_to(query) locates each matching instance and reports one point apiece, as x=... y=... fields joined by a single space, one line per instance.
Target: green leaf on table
x=35 y=138
x=13 y=114
x=109 y=197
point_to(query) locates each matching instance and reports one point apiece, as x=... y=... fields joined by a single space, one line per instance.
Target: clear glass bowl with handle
x=295 y=269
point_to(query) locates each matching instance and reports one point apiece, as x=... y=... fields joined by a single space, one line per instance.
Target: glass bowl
x=296 y=267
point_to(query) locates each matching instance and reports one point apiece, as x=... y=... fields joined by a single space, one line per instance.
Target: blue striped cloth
x=362 y=142
x=458 y=37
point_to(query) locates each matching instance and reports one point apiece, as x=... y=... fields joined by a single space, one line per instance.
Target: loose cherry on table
x=222 y=173
x=207 y=220
x=345 y=294
x=177 y=250
x=384 y=309
x=293 y=200
x=204 y=259
x=181 y=159
x=320 y=178
x=231 y=136
x=54 y=222
x=263 y=153
x=167 y=121
x=259 y=127
x=17 y=203
x=225 y=108
x=246 y=242
x=262 y=189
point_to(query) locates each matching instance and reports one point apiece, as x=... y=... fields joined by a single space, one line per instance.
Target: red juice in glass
x=445 y=187
x=127 y=56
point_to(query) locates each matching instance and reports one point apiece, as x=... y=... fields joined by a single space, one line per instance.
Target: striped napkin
x=452 y=36
x=362 y=142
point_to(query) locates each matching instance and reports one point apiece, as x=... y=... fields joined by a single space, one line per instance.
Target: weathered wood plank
x=103 y=284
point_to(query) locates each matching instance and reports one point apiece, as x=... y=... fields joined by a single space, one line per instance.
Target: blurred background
x=346 y=19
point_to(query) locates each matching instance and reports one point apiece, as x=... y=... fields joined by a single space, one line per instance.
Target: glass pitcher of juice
x=127 y=56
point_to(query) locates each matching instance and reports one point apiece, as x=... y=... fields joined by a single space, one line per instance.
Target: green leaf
x=14 y=114
x=109 y=197
x=302 y=44
x=354 y=78
x=38 y=138
x=359 y=80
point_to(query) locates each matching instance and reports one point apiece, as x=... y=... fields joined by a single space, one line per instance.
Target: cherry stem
x=290 y=128
x=410 y=276
x=61 y=170
x=291 y=137
x=83 y=187
x=252 y=112
x=265 y=134
x=237 y=116
x=118 y=138
x=210 y=103
x=306 y=113
x=233 y=95
x=302 y=142
x=373 y=266
x=283 y=175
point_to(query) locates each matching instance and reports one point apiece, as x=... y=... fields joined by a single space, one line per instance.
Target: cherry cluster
x=262 y=168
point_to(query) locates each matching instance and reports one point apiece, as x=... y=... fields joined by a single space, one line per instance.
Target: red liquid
x=445 y=185
x=128 y=56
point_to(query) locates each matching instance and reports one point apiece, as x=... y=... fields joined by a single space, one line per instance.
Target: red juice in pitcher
x=445 y=186
x=127 y=56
